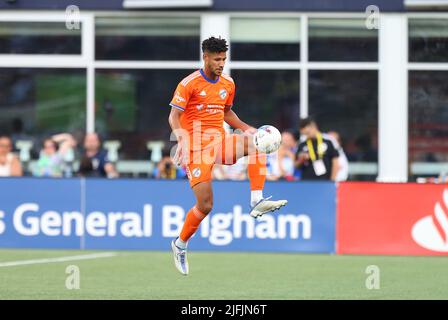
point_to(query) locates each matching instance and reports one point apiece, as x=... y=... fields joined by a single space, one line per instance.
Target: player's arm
x=179 y=158
x=174 y=120
x=231 y=118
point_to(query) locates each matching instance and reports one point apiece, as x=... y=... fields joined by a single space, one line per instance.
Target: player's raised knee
x=205 y=206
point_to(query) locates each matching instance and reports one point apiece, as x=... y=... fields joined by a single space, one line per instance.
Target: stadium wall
x=321 y=217
x=398 y=219
x=146 y=215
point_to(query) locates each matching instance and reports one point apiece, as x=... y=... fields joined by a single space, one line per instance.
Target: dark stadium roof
x=219 y=5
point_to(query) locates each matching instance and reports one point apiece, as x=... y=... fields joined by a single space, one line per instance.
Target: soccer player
x=201 y=103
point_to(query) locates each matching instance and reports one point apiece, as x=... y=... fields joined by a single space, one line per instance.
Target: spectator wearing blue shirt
x=94 y=162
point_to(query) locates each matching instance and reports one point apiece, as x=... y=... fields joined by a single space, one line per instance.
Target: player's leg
x=257 y=171
x=200 y=181
x=204 y=204
x=237 y=146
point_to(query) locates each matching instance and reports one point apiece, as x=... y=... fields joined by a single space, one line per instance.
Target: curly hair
x=214 y=45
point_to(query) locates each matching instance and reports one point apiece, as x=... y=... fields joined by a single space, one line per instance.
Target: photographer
x=317 y=153
x=166 y=169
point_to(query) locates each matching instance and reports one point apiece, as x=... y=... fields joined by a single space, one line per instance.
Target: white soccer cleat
x=180 y=258
x=265 y=205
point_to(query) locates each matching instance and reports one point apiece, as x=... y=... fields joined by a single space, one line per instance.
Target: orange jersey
x=203 y=101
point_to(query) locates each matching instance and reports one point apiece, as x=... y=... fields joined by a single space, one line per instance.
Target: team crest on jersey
x=196 y=172
x=223 y=93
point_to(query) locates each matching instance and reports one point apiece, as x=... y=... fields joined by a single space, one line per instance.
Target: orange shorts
x=202 y=162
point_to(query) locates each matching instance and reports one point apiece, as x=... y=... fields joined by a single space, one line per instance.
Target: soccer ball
x=267 y=139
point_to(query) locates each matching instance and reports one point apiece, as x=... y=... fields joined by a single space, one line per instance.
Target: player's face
x=215 y=62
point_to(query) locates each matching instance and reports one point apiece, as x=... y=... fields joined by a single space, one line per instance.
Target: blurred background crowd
x=64 y=155
x=114 y=72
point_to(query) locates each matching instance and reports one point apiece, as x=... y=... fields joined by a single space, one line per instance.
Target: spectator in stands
x=272 y=167
x=280 y=165
x=10 y=165
x=317 y=154
x=286 y=155
x=237 y=171
x=51 y=159
x=94 y=162
x=342 y=174
x=219 y=172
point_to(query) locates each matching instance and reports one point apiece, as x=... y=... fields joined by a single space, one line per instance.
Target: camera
x=167 y=166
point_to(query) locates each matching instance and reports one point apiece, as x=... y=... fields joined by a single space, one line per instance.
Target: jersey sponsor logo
x=431 y=232
x=215 y=106
x=200 y=107
x=223 y=93
x=203 y=93
x=178 y=97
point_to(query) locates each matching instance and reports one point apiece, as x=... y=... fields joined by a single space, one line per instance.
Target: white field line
x=59 y=259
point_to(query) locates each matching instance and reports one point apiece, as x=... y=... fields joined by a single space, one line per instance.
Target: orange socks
x=256 y=170
x=191 y=224
x=257 y=176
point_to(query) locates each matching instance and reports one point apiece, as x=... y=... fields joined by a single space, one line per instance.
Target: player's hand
x=251 y=131
x=177 y=155
x=180 y=158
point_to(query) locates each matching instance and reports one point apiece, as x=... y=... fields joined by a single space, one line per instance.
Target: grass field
x=152 y=275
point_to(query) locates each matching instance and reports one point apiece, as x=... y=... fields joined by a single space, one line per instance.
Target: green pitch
x=152 y=275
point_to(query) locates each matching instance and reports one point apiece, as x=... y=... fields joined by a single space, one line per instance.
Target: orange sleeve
x=231 y=96
x=180 y=98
